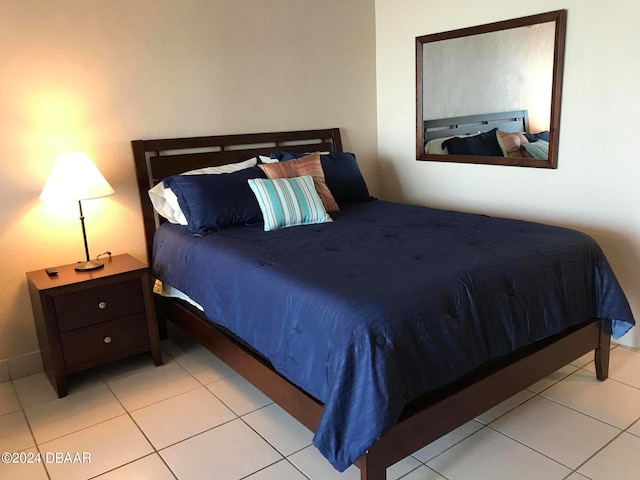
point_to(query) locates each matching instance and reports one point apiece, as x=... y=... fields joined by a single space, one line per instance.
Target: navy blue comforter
x=389 y=301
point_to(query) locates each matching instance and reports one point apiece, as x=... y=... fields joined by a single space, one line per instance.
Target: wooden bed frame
x=424 y=419
x=513 y=121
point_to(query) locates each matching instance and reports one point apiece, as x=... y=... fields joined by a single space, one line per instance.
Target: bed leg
x=161 y=316
x=602 y=355
x=370 y=469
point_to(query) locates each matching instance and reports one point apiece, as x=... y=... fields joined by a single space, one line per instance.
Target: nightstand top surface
x=67 y=275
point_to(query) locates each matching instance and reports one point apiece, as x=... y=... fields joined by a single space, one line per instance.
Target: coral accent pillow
x=510 y=143
x=307 y=165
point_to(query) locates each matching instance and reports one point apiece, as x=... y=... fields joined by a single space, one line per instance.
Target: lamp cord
x=102 y=254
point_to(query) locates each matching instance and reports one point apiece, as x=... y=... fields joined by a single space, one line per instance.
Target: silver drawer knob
x=102 y=305
x=107 y=339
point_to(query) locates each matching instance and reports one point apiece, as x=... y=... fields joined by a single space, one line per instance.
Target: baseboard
x=4 y=371
x=31 y=363
x=20 y=366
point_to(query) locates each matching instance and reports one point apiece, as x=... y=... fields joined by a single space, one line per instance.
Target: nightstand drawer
x=98 y=304
x=91 y=343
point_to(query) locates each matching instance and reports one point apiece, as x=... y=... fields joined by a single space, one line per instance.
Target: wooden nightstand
x=86 y=319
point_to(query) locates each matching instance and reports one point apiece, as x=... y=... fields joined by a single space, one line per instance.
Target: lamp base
x=88 y=266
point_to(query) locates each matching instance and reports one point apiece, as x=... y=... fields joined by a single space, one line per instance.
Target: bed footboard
x=427 y=419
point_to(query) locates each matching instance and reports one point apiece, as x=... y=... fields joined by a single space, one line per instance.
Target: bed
x=502 y=134
x=256 y=324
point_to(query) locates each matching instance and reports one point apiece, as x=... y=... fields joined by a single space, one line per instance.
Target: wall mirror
x=491 y=94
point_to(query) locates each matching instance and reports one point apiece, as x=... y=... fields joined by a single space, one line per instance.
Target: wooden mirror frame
x=560 y=19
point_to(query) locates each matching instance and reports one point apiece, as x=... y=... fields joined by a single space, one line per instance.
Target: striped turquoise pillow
x=286 y=202
x=538 y=150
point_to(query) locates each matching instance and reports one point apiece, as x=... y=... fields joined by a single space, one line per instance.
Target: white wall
x=491 y=72
x=95 y=74
x=594 y=189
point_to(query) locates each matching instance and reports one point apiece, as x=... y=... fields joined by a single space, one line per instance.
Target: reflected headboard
x=160 y=158
x=513 y=121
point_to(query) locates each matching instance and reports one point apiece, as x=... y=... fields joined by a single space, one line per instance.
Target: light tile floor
x=194 y=418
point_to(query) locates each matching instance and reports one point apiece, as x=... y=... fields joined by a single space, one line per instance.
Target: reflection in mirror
x=491 y=94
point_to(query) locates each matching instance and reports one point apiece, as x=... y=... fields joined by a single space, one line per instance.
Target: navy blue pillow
x=341 y=174
x=532 y=137
x=284 y=156
x=483 y=144
x=215 y=202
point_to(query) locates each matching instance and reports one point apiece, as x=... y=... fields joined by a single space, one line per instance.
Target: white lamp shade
x=75 y=177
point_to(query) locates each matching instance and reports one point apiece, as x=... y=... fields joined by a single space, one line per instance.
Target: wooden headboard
x=157 y=159
x=513 y=121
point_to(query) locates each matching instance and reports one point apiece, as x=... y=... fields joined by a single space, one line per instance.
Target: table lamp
x=75 y=177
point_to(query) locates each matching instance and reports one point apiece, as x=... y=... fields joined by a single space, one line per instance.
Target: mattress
x=389 y=301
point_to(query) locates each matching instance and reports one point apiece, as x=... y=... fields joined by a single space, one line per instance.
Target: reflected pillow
x=341 y=173
x=533 y=137
x=307 y=165
x=485 y=144
x=165 y=202
x=510 y=143
x=287 y=202
x=538 y=150
x=434 y=147
x=215 y=202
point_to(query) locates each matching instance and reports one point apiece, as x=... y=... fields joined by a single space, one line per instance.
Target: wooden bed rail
x=425 y=419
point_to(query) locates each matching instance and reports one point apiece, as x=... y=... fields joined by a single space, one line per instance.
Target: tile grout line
x=201 y=385
x=535 y=394
x=426 y=464
x=240 y=417
x=620 y=431
x=33 y=437
x=129 y=463
x=155 y=450
x=533 y=449
x=268 y=442
x=575 y=409
x=286 y=458
x=597 y=452
x=431 y=469
x=153 y=403
x=412 y=470
x=283 y=459
x=79 y=429
x=476 y=419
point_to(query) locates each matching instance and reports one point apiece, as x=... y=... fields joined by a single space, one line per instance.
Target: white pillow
x=434 y=147
x=265 y=159
x=165 y=201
